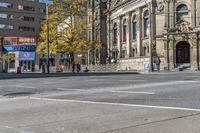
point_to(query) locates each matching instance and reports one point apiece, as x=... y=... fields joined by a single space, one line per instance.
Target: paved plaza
x=166 y=102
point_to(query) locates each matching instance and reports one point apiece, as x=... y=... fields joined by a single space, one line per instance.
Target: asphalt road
x=101 y=103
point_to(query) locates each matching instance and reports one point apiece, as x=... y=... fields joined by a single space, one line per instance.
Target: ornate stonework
x=168 y=30
x=183 y=26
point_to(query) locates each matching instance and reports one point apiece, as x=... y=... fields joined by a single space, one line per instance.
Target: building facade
x=21 y=17
x=20 y=25
x=141 y=31
x=97 y=19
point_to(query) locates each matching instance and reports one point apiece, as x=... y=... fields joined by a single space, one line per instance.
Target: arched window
x=124 y=30
x=115 y=34
x=146 y=23
x=134 y=28
x=181 y=12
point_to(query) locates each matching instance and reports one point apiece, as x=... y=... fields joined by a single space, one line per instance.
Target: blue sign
x=24 y=56
x=10 y=48
x=146 y=66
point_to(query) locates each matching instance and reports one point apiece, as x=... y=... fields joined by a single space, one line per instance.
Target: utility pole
x=47 y=24
x=93 y=16
x=109 y=31
x=1 y=53
x=150 y=5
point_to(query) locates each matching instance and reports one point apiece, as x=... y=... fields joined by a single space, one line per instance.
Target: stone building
x=97 y=30
x=140 y=31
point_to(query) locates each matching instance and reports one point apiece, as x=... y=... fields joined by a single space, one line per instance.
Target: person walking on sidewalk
x=158 y=61
x=73 y=67
x=78 y=67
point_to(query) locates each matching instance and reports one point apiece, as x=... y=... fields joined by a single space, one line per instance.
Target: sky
x=46 y=1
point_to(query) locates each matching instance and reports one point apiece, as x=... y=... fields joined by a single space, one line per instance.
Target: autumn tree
x=67 y=28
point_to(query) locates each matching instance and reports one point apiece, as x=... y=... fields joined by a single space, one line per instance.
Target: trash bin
x=18 y=70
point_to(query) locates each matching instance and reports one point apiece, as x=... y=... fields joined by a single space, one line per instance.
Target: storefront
x=19 y=56
x=19 y=52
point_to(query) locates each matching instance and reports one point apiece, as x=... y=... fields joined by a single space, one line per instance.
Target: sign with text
x=27 y=40
x=9 y=48
x=146 y=66
x=24 y=56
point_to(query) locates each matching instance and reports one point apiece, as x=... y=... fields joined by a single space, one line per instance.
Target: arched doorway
x=183 y=52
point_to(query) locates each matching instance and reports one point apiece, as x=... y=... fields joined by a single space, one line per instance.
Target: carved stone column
x=119 y=34
x=166 y=52
x=139 y=30
x=193 y=12
x=172 y=13
x=128 y=35
x=172 y=55
x=109 y=37
x=194 y=51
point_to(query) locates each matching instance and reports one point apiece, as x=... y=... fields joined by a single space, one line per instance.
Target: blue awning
x=10 y=48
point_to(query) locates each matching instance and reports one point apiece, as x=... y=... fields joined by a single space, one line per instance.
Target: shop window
x=51 y=62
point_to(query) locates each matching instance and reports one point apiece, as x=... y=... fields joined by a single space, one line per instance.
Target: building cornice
x=127 y=6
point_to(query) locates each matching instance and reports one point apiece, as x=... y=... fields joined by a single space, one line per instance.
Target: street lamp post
x=150 y=35
x=150 y=38
x=47 y=36
x=1 y=53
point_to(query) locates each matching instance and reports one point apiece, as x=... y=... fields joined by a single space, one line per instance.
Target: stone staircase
x=183 y=67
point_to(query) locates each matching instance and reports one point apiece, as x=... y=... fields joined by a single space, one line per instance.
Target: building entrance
x=183 y=52
x=27 y=65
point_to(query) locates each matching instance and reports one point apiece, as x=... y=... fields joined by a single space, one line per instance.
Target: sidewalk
x=61 y=74
x=66 y=74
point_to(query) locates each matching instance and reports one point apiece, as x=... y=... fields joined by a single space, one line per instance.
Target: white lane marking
x=31 y=87
x=138 y=80
x=116 y=88
x=135 y=92
x=93 y=80
x=13 y=99
x=21 y=86
x=66 y=89
x=117 y=104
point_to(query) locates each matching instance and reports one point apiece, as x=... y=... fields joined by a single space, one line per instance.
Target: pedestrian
x=158 y=61
x=43 y=67
x=78 y=67
x=73 y=67
x=24 y=67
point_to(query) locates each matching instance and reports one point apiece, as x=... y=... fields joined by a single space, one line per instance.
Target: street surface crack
x=153 y=122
